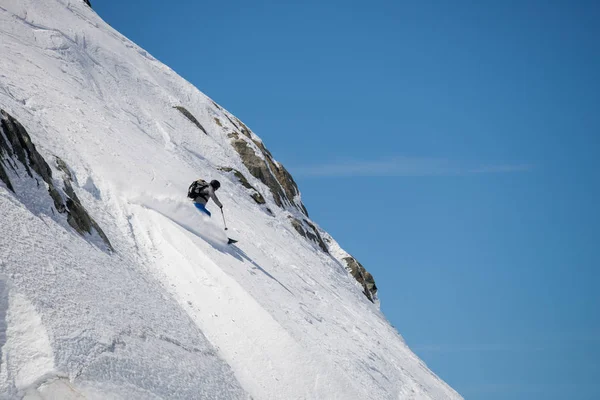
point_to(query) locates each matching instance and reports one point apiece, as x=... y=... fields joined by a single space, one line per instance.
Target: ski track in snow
x=174 y=312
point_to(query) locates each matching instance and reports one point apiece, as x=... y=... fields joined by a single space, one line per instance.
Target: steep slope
x=113 y=286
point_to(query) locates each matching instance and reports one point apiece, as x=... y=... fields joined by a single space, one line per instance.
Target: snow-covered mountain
x=112 y=285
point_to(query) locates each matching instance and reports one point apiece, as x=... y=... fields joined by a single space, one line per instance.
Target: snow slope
x=172 y=312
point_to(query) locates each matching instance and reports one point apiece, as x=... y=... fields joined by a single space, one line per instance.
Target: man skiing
x=201 y=192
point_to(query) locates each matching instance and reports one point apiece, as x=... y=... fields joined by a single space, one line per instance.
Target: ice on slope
x=172 y=313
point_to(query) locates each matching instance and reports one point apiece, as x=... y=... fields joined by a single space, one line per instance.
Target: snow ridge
x=170 y=311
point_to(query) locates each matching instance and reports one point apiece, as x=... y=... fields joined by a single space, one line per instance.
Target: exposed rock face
x=354 y=268
x=16 y=146
x=189 y=116
x=78 y=217
x=262 y=165
x=259 y=169
x=315 y=236
x=362 y=276
x=258 y=198
x=309 y=231
x=16 y=143
x=88 y=3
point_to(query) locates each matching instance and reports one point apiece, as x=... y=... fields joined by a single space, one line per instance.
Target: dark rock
x=189 y=116
x=268 y=171
x=258 y=198
x=16 y=144
x=4 y=161
x=283 y=177
x=88 y=3
x=308 y=231
x=316 y=236
x=62 y=166
x=21 y=147
x=230 y=120
x=298 y=226
x=363 y=277
x=5 y=153
x=4 y=177
x=244 y=129
x=261 y=164
x=78 y=217
x=259 y=169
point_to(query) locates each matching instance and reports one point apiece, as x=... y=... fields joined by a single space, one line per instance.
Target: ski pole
x=223 y=215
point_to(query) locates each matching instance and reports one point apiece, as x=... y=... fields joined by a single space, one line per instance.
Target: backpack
x=196 y=187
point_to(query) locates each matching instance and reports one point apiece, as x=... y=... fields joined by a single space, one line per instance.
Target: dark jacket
x=206 y=194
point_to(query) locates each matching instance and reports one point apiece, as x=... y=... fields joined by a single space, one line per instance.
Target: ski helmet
x=215 y=184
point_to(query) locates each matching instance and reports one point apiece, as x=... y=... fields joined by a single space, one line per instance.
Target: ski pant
x=202 y=208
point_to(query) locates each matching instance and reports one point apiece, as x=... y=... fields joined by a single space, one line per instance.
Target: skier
x=201 y=192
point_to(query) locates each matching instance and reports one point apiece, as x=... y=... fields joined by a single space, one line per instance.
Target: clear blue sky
x=474 y=124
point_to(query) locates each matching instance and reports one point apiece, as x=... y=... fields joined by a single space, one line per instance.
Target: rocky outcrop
x=255 y=194
x=16 y=147
x=259 y=169
x=309 y=231
x=315 y=236
x=15 y=143
x=189 y=116
x=354 y=268
x=362 y=276
x=88 y=3
x=5 y=162
x=261 y=164
x=78 y=217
